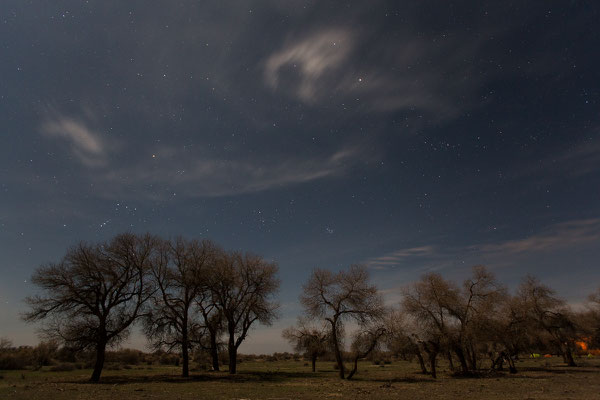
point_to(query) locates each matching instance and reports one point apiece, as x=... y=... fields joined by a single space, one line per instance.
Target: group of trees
x=186 y=294
x=193 y=295
x=466 y=324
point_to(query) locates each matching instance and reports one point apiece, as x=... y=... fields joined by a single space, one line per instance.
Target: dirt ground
x=536 y=379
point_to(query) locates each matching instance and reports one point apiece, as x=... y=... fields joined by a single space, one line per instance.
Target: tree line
x=477 y=325
x=186 y=294
x=193 y=295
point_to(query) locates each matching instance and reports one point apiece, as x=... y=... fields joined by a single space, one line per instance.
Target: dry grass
x=537 y=379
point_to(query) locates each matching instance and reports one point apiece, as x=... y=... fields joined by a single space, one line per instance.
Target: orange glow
x=582 y=345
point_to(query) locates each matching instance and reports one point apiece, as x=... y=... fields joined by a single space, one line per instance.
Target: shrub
x=63 y=367
x=12 y=362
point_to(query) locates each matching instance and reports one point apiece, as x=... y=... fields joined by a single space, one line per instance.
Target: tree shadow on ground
x=252 y=376
x=406 y=379
x=559 y=370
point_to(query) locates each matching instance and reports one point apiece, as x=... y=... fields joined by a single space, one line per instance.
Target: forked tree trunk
x=100 y=354
x=461 y=359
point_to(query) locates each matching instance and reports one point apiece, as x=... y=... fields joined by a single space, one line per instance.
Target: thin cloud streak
x=560 y=236
x=214 y=177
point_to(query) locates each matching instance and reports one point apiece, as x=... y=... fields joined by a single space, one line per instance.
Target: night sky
x=409 y=136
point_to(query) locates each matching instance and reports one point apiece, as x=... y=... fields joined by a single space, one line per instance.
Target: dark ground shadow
x=254 y=376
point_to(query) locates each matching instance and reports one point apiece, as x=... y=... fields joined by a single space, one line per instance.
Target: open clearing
x=536 y=379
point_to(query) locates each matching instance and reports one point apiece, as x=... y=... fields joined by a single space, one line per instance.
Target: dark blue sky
x=426 y=135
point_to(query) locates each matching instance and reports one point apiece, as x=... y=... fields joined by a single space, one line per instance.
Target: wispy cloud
x=563 y=235
x=387 y=75
x=84 y=143
x=311 y=60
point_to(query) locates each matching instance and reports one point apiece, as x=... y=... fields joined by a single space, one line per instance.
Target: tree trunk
x=337 y=352
x=432 y=359
x=461 y=359
x=214 y=351
x=569 y=357
x=511 y=364
x=421 y=362
x=450 y=363
x=100 y=353
x=233 y=360
x=186 y=357
x=498 y=362
x=473 y=355
x=232 y=353
x=314 y=363
x=354 y=368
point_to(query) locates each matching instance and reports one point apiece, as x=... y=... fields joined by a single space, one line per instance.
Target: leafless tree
x=594 y=319
x=401 y=338
x=178 y=272
x=5 y=344
x=339 y=297
x=91 y=298
x=311 y=339
x=212 y=321
x=428 y=302
x=550 y=315
x=243 y=287
x=473 y=308
x=508 y=332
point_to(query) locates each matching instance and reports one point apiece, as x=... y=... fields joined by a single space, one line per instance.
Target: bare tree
x=508 y=332
x=594 y=318
x=243 y=286
x=178 y=273
x=312 y=340
x=401 y=338
x=473 y=308
x=427 y=302
x=91 y=298
x=550 y=315
x=212 y=320
x=5 y=344
x=339 y=297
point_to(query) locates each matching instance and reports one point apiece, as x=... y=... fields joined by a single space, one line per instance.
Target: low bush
x=63 y=367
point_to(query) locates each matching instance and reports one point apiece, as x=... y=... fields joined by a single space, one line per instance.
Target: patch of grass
x=293 y=379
